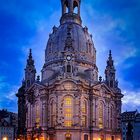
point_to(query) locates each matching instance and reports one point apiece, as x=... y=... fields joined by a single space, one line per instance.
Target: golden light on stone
x=68 y=86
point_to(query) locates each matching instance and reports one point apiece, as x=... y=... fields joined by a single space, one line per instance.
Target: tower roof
x=110 y=62
x=30 y=63
x=30 y=60
x=71 y=11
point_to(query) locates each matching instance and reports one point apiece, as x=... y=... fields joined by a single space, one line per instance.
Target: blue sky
x=26 y=24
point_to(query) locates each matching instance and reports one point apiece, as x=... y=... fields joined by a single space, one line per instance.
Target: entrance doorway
x=51 y=137
x=68 y=136
x=85 y=137
x=112 y=137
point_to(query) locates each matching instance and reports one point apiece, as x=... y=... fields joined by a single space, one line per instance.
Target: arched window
x=50 y=47
x=28 y=83
x=84 y=107
x=53 y=110
x=84 y=120
x=100 y=115
x=76 y=10
x=66 y=10
x=84 y=113
x=75 y=7
x=87 y=44
x=68 y=112
x=111 y=83
x=69 y=68
x=68 y=136
x=85 y=137
x=37 y=116
x=90 y=46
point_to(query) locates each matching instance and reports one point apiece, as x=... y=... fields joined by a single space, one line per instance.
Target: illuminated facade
x=70 y=102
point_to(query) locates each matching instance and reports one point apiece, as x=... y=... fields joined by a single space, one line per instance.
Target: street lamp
x=4 y=138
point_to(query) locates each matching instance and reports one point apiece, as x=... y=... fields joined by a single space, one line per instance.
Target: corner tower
x=30 y=71
x=110 y=73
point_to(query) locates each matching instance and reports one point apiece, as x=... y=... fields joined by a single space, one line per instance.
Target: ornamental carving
x=69 y=40
x=31 y=98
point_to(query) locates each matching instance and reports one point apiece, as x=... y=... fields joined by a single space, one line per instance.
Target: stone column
x=71 y=6
x=44 y=111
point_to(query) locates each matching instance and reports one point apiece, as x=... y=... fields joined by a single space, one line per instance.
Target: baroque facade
x=69 y=102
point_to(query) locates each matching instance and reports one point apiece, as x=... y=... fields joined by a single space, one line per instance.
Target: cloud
x=131 y=100
x=8 y=98
x=12 y=94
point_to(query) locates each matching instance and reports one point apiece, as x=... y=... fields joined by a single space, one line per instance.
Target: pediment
x=67 y=85
x=103 y=90
x=36 y=86
x=34 y=92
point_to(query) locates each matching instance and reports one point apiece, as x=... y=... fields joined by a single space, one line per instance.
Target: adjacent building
x=131 y=125
x=8 y=125
x=70 y=101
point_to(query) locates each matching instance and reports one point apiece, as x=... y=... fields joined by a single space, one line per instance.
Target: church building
x=70 y=101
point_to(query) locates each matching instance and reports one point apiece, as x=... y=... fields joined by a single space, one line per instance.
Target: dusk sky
x=26 y=24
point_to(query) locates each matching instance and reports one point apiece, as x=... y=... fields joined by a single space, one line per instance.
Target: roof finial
x=30 y=53
x=110 y=60
x=110 y=54
x=30 y=60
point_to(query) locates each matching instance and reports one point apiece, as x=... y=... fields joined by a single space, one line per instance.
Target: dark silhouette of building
x=131 y=125
x=8 y=125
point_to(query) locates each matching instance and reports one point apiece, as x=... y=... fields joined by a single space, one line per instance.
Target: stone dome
x=70 y=50
x=70 y=37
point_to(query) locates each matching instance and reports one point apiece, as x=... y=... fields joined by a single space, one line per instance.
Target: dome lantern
x=71 y=11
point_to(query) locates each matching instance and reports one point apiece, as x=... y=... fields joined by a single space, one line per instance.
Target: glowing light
x=68 y=86
x=36 y=139
x=4 y=138
x=99 y=138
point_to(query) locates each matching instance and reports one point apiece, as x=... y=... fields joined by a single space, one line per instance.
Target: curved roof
x=70 y=37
